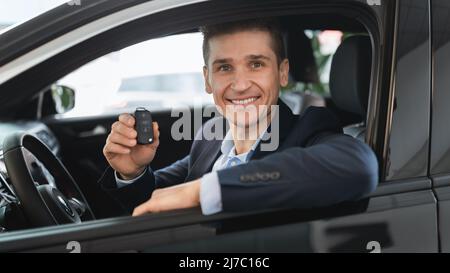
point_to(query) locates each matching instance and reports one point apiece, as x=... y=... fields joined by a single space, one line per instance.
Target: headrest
x=350 y=74
x=302 y=64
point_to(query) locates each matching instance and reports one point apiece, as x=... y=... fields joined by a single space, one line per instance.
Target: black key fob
x=144 y=126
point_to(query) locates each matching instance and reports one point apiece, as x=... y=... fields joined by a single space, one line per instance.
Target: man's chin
x=249 y=123
x=245 y=125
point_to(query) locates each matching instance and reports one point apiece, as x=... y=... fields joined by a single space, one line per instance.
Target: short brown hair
x=271 y=26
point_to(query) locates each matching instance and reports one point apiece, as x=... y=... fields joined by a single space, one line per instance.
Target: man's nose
x=240 y=82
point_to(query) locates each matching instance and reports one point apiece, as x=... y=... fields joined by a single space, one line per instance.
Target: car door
x=403 y=207
x=405 y=190
x=440 y=145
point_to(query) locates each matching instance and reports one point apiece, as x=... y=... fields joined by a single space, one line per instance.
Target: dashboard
x=39 y=130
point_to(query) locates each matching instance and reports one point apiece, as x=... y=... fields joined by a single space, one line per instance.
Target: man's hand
x=186 y=195
x=123 y=153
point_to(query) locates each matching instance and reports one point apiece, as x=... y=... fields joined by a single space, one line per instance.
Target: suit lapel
x=286 y=120
x=205 y=161
x=209 y=157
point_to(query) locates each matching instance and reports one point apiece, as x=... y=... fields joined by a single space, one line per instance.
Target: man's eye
x=225 y=67
x=256 y=65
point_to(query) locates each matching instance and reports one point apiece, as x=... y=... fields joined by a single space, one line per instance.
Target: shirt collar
x=228 y=148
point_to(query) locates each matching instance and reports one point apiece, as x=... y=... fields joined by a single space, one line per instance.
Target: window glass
x=409 y=135
x=440 y=136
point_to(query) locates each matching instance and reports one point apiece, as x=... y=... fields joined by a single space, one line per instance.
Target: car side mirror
x=63 y=97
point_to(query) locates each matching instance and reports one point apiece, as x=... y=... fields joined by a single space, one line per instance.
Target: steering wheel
x=54 y=199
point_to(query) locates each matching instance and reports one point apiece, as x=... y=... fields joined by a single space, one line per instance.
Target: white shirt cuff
x=210 y=194
x=122 y=183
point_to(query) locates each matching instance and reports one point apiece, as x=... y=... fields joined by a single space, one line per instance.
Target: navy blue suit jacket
x=315 y=165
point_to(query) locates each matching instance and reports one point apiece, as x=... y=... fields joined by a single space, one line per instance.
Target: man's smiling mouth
x=244 y=101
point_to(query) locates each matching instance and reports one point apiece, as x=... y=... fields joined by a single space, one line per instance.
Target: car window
x=440 y=144
x=408 y=156
x=156 y=74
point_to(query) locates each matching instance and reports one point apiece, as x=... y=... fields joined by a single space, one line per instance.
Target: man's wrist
x=131 y=176
x=196 y=191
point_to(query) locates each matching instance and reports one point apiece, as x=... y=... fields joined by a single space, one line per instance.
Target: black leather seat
x=350 y=82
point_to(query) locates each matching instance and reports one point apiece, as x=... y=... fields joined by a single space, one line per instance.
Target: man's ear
x=284 y=72
x=206 y=78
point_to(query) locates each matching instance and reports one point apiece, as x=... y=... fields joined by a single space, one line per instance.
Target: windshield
x=15 y=12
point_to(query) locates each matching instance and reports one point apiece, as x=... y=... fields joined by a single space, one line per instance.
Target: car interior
x=78 y=142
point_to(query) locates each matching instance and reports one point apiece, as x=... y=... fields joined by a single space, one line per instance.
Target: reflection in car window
x=408 y=156
x=440 y=144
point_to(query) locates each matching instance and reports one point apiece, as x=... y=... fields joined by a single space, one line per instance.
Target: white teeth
x=246 y=101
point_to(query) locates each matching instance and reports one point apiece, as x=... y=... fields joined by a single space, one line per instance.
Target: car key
x=144 y=126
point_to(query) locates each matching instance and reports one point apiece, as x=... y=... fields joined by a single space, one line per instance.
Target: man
x=314 y=164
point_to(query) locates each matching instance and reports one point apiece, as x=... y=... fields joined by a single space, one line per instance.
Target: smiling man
x=314 y=164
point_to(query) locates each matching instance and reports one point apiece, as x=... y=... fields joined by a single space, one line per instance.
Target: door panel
x=389 y=221
x=443 y=195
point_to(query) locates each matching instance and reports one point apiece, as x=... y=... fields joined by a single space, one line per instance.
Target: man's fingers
x=138 y=211
x=156 y=130
x=122 y=140
x=115 y=148
x=186 y=195
x=127 y=119
x=141 y=209
x=155 y=134
x=123 y=129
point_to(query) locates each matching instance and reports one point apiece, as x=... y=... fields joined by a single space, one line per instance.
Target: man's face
x=243 y=74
